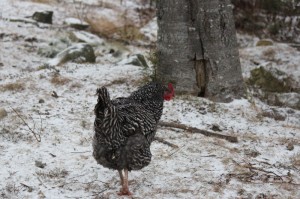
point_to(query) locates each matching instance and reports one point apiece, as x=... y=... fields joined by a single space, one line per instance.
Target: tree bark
x=197 y=48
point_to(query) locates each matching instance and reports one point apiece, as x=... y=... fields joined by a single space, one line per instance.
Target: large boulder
x=86 y=37
x=54 y=47
x=81 y=51
x=271 y=80
x=275 y=87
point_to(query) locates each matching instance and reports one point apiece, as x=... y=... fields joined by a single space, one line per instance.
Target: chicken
x=125 y=127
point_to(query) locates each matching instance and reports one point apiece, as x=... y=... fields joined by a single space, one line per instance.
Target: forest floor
x=45 y=140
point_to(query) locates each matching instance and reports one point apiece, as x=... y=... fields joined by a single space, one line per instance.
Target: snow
x=72 y=20
x=88 y=38
x=201 y=167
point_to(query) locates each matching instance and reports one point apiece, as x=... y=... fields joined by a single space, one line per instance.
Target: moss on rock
x=270 y=80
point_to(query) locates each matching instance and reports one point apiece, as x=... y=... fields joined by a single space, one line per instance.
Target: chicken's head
x=169 y=93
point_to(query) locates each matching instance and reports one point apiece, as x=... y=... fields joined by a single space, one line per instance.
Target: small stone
x=290 y=147
x=3 y=113
x=216 y=127
x=54 y=94
x=31 y=39
x=41 y=101
x=252 y=153
x=44 y=17
x=111 y=51
x=40 y=164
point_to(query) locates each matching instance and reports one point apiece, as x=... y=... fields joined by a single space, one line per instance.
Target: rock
x=142 y=59
x=290 y=147
x=44 y=17
x=53 y=48
x=264 y=42
x=40 y=164
x=275 y=87
x=139 y=60
x=252 y=153
x=22 y=20
x=81 y=51
x=76 y=23
x=3 y=113
x=273 y=113
x=291 y=100
x=41 y=101
x=82 y=36
x=30 y=39
x=54 y=94
x=111 y=51
x=271 y=80
x=216 y=127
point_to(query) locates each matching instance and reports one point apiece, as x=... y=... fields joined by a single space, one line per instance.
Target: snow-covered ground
x=264 y=163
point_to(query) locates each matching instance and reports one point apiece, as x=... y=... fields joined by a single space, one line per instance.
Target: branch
x=36 y=136
x=30 y=189
x=161 y=140
x=196 y=130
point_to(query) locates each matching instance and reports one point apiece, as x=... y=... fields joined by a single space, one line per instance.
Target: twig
x=254 y=171
x=250 y=167
x=30 y=189
x=36 y=136
x=95 y=194
x=80 y=151
x=176 y=151
x=201 y=131
x=161 y=140
x=77 y=182
x=41 y=181
x=290 y=183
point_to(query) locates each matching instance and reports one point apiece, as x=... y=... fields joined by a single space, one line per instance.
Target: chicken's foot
x=124 y=181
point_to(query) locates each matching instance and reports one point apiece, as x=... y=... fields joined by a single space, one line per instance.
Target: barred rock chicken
x=125 y=128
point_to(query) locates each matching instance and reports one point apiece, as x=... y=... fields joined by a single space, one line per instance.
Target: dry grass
x=272 y=114
x=45 y=1
x=296 y=160
x=121 y=80
x=103 y=26
x=76 y=85
x=269 y=54
x=141 y=81
x=17 y=86
x=55 y=173
x=59 y=80
x=129 y=33
x=11 y=190
x=108 y=28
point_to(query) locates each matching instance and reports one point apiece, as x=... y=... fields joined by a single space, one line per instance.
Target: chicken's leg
x=121 y=177
x=124 y=180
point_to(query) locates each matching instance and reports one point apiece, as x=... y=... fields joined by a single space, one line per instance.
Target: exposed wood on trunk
x=201 y=131
x=201 y=76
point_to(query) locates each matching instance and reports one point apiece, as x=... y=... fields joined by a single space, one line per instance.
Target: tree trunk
x=197 y=48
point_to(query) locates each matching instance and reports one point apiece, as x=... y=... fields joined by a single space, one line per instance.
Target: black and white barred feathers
x=125 y=127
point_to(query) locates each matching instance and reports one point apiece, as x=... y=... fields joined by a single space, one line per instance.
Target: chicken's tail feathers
x=103 y=100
